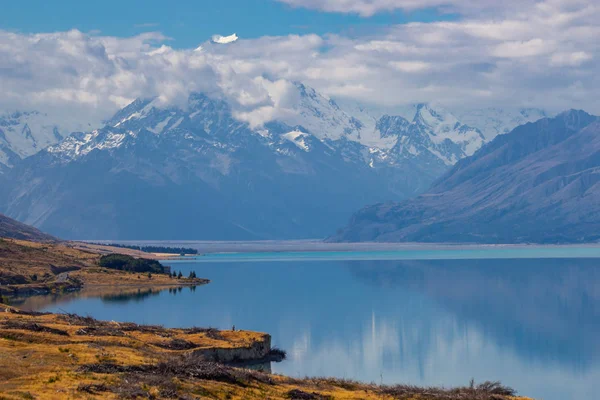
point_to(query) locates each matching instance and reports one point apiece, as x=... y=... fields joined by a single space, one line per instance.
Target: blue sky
x=190 y=22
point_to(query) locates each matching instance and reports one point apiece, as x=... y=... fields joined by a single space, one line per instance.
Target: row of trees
x=153 y=249
x=127 y=263
x=179 y=275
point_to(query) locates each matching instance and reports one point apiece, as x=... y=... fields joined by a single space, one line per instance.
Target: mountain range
x=198 y=172
x=540 y=183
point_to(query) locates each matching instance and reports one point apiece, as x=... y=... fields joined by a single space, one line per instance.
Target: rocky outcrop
x=258 y=350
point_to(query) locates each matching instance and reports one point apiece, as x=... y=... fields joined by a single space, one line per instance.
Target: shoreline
x=302 y=246
x=80 y=356
x=55 y=356
x=34 y=268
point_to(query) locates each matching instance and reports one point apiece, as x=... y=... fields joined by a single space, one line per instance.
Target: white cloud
x=225 y=39
x=529 y=48
x=542 y=55
x=570 y=59
x=410 y=66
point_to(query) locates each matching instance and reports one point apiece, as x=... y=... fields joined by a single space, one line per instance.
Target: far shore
x=33 y=268
x=314 y=245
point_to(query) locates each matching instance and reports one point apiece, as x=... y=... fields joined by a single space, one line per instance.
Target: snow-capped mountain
x=24 y=133
x=545 y=173
x=497 y=121
x=433 y=134
x=199 y=172
x=419 y=130
x=439 y=133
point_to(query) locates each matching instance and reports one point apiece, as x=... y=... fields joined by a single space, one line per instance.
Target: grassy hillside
x=49 y=356
x=33 y=267
x=9 y=228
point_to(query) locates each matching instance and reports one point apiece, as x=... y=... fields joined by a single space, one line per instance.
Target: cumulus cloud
x=542 y=54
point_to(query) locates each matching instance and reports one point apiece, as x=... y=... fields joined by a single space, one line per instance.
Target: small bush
x=296 y=394
x=122 y=262
x=33 y=327
x=92 y=388
x=276 y=354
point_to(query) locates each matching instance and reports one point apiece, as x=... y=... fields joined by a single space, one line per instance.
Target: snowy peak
x=132 y=110
x=80 y=144
x=322 y=116
x=212 y=115
x=497 y=121
x=445 y=129
x=437 y=121
x=421 y=133
x=389 y=126
x=434 y=134
x=25 y=133
x=298 y=138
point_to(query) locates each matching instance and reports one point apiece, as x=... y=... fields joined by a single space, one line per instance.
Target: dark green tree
x=180 y=275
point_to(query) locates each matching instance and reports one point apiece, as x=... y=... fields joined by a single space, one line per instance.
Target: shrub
x=127 y=263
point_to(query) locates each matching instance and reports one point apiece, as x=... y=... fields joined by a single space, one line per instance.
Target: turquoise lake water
x=529 y=252
x=529 y=317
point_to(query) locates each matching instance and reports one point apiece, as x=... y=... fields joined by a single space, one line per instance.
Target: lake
x=532 y=323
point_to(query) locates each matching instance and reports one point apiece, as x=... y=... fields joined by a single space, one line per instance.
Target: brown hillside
x=9 y=228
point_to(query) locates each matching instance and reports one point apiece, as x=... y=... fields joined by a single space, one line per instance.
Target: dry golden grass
x=25 y=266
x=49 y=356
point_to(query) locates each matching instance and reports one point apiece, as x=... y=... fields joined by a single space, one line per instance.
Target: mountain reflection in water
x=533 y=324
x=547 y=310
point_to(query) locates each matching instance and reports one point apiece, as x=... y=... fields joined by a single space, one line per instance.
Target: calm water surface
x=532 y=323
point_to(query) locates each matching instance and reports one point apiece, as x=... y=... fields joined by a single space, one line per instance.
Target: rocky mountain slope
x=23 y=134
x=9 y=228
x=163 y=173
x=538 y=183
x=197 y=171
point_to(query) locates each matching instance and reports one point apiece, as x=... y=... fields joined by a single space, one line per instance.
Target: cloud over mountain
x=541 y=54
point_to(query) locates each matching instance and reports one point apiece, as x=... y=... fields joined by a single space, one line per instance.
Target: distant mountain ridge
x=540 y=183
x=199 y=172
x=24 y=133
